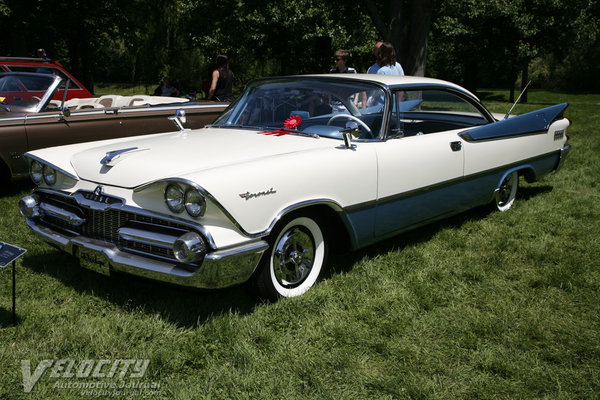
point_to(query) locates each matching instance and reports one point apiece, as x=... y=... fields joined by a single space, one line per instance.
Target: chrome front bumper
x=219 y=269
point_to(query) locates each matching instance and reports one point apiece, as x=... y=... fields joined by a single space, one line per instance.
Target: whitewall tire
x=294 y=261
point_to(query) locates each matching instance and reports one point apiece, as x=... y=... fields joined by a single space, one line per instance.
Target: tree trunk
x=408 y=35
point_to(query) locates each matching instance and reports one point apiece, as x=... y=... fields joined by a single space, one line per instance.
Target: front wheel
x=507 y=192
x=294 y=261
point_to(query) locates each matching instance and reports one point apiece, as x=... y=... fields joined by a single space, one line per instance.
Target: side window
x=45 y=70
x=420 y=112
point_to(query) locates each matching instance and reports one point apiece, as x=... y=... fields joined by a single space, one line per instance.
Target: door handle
x=456 y=146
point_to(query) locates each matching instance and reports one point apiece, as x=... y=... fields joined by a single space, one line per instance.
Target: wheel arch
x=329 y=217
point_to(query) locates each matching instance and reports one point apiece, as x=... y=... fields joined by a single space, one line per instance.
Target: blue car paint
x=529 y=123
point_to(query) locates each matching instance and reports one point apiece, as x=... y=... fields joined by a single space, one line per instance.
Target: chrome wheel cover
x=293 y=257
x=505 y=196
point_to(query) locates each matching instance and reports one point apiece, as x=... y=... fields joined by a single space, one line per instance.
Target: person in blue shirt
x=386 y=59
x=375 y=67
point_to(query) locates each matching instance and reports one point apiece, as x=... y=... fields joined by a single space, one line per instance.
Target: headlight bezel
x=180 y=196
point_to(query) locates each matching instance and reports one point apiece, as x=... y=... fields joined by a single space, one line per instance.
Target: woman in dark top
x=222 y=81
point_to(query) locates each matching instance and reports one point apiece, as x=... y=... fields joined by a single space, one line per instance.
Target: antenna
x=518 y=98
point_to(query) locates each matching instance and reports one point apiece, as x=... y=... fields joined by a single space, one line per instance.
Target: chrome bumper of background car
x=219 y=269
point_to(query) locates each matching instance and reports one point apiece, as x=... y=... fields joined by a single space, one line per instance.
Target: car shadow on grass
x=184 y=307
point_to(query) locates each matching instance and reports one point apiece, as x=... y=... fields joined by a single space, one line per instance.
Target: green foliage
x=483 y=305
x=488 y=43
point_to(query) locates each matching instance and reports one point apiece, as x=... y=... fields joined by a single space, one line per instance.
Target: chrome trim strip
x=519 y=165
x=42 y=161
x=173 y=107
x=146 y=237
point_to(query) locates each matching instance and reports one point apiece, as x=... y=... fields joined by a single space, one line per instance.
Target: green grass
x=484 y=305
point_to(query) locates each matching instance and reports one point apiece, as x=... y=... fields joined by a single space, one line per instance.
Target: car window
x=418 y=112
x=45 y=70
x=324 y=106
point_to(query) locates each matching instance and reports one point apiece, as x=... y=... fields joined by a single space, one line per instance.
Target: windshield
x=324 y=106
x=23 y=90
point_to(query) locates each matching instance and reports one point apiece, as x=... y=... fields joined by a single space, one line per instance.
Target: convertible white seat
x=109 y=100
x=154 y=100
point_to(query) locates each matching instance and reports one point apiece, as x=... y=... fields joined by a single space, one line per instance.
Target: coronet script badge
x=248 y=195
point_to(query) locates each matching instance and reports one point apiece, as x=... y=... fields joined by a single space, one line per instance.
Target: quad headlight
x=174 y=197
x=49 y=175
x=35 y=172
x=191 y=200
x=194 y=203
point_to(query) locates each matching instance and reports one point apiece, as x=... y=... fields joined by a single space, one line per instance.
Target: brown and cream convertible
x=30 y=119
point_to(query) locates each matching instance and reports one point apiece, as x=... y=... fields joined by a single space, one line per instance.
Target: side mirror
x=351 y=131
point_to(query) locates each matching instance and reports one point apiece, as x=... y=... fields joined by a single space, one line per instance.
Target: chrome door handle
x=456 y=146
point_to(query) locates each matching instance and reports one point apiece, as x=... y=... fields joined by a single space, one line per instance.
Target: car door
x=421 y=164
x=416 y=180
x=47 y=129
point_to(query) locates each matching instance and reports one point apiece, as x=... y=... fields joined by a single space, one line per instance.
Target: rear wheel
x=295 y=259
x=507 y=192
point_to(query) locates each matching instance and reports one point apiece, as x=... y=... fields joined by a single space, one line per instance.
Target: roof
x=397 y=80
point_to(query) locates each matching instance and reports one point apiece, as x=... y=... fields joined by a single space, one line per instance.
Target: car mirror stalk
x=351 y=131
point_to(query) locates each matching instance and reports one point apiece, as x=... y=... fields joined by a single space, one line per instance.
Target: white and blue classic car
x=294 y=166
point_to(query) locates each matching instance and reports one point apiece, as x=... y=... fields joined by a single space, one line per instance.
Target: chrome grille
x=104 y=225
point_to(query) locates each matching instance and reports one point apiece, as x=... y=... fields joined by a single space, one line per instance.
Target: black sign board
x=9 y=253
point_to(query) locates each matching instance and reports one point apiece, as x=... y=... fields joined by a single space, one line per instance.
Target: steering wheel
x=352 y=117
x=36 y=98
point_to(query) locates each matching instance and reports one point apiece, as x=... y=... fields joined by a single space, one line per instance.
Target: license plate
x=94 y=260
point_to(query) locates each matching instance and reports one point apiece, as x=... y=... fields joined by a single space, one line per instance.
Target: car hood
x=136 y=161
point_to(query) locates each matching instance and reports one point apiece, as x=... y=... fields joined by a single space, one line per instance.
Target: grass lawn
x=485 y=305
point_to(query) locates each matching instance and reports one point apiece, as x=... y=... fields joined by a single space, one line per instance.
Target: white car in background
x=296 y=165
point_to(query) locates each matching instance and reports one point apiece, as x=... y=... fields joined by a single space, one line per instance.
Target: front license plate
x=94 y=260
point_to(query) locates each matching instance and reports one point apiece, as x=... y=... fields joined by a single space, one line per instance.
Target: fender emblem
x=248 y=195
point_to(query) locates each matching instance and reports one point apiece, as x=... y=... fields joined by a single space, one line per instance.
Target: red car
x=41 y=65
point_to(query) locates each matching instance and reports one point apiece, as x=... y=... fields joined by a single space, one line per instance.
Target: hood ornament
x=113 y=155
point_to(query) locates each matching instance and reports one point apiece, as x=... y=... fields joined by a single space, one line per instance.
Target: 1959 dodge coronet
x=295 y=165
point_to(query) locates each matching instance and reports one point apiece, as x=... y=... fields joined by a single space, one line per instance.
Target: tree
x=405 y=24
